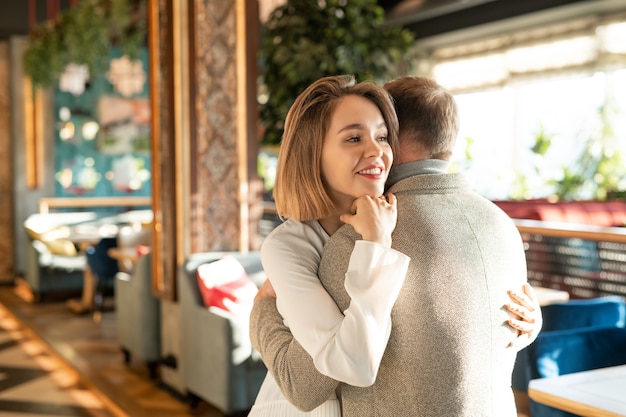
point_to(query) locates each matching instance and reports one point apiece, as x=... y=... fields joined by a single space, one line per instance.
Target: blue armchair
x=563 y=352
x=104 y=268
x=577 y=335
x=572 y=314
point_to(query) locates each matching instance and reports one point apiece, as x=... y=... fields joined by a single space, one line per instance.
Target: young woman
x=335 y=156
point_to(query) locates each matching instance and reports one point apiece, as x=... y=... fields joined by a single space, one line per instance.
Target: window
x=570 y=99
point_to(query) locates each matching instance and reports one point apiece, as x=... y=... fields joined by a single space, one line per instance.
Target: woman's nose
x=374 y=148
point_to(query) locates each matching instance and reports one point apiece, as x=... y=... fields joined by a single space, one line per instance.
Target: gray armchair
x=217 y=361
x=54 y=265
x=138 y=315
x=52 y=274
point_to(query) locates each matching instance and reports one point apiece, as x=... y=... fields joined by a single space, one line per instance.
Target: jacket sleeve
x=292 y=367
x=347 y=346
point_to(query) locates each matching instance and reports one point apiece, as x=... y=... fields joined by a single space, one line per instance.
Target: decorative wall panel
x=203 y=85
x=215 y=192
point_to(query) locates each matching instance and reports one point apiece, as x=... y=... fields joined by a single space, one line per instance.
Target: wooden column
x=6 y=171
x=203 y=74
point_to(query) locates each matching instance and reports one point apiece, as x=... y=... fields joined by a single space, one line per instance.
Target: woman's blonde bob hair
x=300 y=192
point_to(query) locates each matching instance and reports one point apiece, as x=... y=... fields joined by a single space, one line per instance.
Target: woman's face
x=356 y=156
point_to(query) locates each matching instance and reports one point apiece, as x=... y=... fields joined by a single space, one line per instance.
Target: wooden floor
x=90 y=349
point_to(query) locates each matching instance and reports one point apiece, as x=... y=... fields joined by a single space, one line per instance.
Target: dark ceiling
x=424 y=17
x=15 y=17
x=427 y=18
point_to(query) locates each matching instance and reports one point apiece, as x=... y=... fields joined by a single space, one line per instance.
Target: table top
x=128 y=254
x=549 y=296
x=596 y=393
x=91 y=231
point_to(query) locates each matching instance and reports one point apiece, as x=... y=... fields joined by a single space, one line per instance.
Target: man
x=448 y=352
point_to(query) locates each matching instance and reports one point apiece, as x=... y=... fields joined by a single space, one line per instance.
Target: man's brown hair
x=428 y=115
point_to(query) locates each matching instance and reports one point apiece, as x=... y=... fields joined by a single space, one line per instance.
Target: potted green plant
x=83 y=35
x=304 y=40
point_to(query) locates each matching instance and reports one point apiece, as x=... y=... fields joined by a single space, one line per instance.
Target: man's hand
x=527 y=318
x=265 y=291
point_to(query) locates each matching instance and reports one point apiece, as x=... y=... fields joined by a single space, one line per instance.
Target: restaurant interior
x=125 y=186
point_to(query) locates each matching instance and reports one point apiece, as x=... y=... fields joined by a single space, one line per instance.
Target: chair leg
x=153 y=369
x=193 y=400
x=98 y=299
x=127 y=355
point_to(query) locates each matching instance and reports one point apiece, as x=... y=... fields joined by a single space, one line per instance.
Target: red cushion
x=225 y=284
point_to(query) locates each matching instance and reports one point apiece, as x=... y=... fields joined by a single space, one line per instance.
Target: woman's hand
x=527 y=318
x=374 y=218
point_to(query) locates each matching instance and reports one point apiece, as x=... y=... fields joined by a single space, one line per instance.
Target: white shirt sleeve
x=347 y=347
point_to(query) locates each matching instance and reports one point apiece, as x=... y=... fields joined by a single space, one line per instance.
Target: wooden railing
x=586 y=261
x=571 y=230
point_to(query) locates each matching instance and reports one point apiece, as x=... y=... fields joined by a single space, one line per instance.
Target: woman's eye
x=383 y=139
x=354 y=139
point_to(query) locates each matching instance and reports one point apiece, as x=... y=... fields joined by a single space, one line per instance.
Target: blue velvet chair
x=562 y=352
x=104 y=268
x=577 y=335
x=574 y=314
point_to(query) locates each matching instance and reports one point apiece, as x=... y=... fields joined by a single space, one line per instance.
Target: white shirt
x=346 y=346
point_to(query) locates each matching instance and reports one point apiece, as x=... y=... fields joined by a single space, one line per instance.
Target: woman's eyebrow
x=351 y=127
x=381 y=125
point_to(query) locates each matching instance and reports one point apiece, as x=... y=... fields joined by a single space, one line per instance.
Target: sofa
x=54 y=266
x=218 y=363
x=598 y=213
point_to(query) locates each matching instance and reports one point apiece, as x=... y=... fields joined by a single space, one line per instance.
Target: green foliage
x=520 y=189
x=543 y=140
x=599 y=170
x=469 y=143
x=305 y=40
x=461 y=165
x=43 y=61
x=84 y=34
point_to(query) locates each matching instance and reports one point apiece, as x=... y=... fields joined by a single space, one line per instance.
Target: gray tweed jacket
x=447 y=354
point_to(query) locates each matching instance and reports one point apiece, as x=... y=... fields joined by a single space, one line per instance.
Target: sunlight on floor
x=35 y=380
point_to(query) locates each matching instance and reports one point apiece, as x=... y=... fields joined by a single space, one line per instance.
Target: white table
x=596 y=393
x=550 y=296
